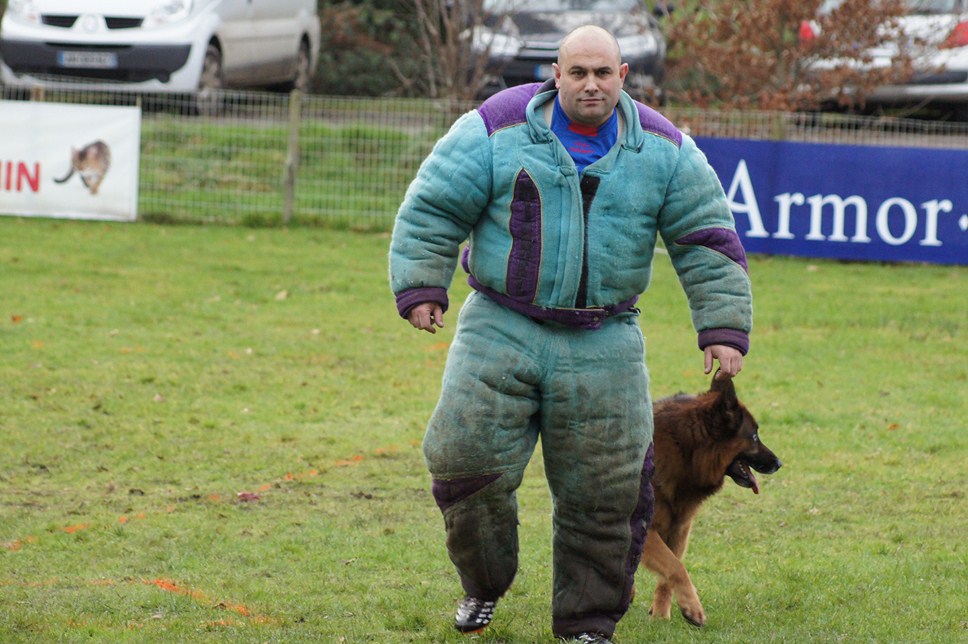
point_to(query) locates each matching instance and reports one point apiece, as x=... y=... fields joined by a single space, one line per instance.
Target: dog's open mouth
x=742 y=475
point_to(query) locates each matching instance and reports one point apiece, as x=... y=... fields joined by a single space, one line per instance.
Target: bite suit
x=548 y=345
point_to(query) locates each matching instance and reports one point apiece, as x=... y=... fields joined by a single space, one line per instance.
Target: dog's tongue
x=750 y=477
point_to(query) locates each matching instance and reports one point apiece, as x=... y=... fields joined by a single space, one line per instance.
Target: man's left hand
x=730 y=360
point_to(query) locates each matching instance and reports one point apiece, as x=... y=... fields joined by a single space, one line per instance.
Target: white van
x=179 y=46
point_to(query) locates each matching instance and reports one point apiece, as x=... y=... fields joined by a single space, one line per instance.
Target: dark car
x=520 y=40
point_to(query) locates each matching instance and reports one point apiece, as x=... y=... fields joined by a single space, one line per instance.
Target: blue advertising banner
x=845 y=201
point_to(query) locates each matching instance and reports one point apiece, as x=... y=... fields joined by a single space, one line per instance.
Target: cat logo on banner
x=72 y=161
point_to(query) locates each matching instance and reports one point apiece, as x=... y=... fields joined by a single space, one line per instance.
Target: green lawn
x=213 y=434
x=352 y=173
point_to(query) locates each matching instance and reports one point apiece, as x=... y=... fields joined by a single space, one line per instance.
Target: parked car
x=935 y=35
x=179 y=46
x=520 y=40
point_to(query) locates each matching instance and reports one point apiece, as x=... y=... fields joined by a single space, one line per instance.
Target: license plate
x=544 y=72
x=87 y=59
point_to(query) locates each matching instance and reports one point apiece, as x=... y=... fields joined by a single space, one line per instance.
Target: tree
x=781 y=54
x=368 y=48
x=402 y=47
x=454 y=64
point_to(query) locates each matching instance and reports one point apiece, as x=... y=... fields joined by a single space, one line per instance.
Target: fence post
x=292 y=156
x=778 y=126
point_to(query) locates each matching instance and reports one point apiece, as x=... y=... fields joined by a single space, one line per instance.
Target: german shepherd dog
x=699 y=441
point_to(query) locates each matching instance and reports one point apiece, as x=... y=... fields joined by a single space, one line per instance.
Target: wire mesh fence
x=273 y=159
x=816 y=127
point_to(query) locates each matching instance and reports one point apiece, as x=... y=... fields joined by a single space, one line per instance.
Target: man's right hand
x=425 y=316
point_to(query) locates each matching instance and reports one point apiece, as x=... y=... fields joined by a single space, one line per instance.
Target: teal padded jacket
x=570 y=248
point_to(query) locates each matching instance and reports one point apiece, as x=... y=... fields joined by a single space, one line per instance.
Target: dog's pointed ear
x=723 y=384
x=726 y=400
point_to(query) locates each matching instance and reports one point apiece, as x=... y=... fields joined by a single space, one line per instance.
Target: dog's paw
x=661 y=611
x=695 y=615
x=661 y=601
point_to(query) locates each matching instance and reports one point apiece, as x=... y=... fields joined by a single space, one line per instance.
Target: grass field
x=213 y=434
x=232 y=171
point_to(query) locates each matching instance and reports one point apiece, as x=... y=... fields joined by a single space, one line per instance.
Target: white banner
x=72 y=161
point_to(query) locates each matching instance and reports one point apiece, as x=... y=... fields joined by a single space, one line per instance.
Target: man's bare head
x=589 y=75
x=589 y=36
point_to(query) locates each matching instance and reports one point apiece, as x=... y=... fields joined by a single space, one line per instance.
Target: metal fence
x=274 y=159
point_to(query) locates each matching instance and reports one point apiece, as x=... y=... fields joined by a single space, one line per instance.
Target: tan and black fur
x=90 y=162
x=699 y=441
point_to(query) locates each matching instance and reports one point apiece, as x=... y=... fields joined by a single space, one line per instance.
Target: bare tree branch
x=779 y=54
x=453 y=67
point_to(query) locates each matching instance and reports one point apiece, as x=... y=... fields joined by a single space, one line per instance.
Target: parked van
x=182 y=46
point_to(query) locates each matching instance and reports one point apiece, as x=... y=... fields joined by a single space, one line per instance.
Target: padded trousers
x=509 y=382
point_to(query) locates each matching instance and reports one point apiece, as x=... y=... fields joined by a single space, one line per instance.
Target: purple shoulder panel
x=655 y=123
x=721 y=240
x=507 y=107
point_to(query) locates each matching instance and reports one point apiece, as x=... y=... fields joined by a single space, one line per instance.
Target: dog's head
x=741 y=431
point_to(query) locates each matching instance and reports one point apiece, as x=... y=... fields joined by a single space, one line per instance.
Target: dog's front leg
x=673 y=580
x=657 y=557
x=661 y=601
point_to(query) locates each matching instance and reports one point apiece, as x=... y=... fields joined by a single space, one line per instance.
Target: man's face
x=589 y=75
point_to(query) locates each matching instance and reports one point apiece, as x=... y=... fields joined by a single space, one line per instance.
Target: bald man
x=562 y=190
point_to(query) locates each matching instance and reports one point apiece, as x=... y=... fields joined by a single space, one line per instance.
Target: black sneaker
x=591 y=638
x=473 y=615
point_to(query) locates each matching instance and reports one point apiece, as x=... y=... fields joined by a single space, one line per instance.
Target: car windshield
x=918 y=7
x=933 y=6
x=512 y=6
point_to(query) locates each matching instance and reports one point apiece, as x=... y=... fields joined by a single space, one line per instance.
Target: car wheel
x=208 y=98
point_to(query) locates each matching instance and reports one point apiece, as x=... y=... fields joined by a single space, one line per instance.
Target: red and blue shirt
x=585 y=144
